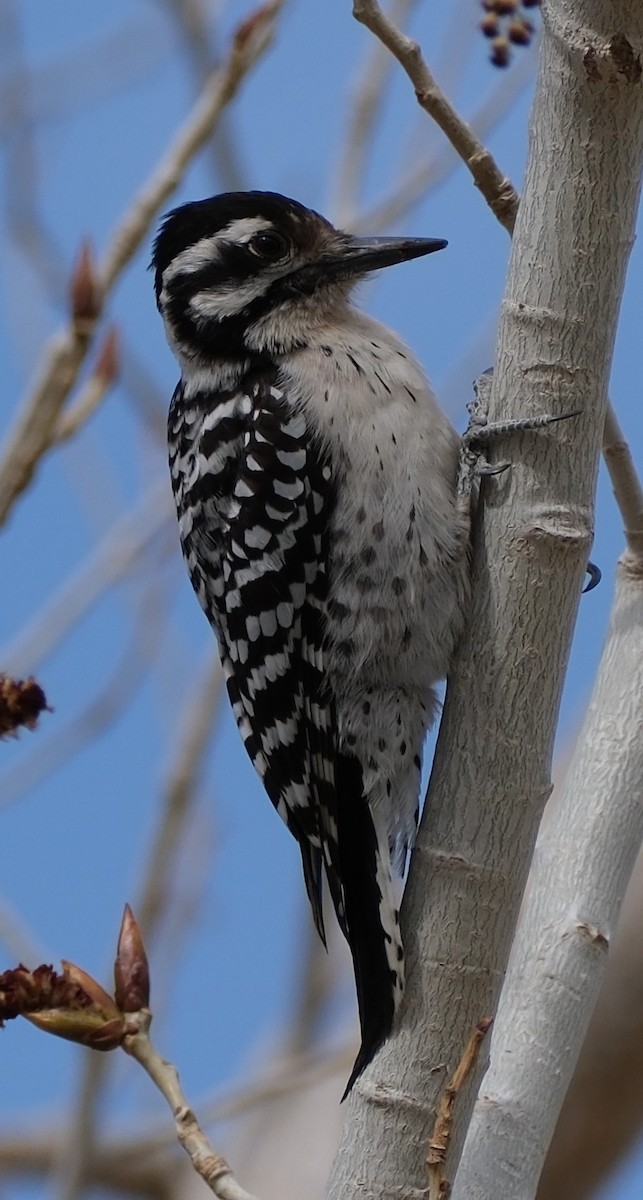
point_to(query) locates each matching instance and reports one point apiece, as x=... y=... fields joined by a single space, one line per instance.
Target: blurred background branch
x=33 y=430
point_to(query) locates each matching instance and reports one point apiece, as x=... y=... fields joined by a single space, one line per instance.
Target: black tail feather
x=312 y=864
x=367 y=937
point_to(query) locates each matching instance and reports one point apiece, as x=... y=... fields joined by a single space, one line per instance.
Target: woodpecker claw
x=485 y=469
x=595 y=576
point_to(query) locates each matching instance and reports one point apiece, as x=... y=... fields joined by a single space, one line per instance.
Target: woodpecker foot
x=480 y=433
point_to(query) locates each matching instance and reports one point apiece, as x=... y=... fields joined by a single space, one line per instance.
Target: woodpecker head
x=245 y=273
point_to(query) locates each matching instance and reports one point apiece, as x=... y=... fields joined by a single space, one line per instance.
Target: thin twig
x=497 y=189
x=210 y=1165
x=297 y=1074
x=195 y=730
x=31 y=435
x=251 y=40
x=438 y=166
x=439 y=1187
x=145 y=1150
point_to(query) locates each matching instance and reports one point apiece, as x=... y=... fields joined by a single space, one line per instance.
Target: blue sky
x=106 y=87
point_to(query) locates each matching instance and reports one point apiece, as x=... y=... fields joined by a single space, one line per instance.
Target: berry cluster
x=507 y=24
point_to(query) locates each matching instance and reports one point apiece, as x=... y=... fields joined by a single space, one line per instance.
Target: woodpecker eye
x=269 y=246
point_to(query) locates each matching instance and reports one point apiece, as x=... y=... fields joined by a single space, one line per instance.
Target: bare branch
x=497 y=189
x=298 y=1073
x=437 y=168
x=31 y=435
x=251 y=40
x=212 y=1168
x=195 y=730
x=123 y=1161
x=443 y=1128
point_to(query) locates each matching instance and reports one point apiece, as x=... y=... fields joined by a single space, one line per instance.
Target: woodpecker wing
x=273 y=545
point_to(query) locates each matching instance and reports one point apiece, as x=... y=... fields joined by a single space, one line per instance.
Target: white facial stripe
x=243 y=229
x=226 y=301
x=203 y=252
x=206 y=250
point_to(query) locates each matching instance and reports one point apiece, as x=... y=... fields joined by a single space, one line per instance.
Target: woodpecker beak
x=361 y=255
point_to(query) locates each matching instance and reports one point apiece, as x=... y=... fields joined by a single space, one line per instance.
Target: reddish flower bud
x=83 y=288
x=131 y=970
x=73 y=1005
x=86 y=1026
x=91 y=988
